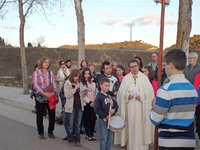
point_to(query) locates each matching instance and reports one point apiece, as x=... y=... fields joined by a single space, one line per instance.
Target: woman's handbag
x=41 y=99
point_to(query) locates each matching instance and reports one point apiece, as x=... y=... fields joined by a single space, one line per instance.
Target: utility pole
x=130 y=37
x=162 y=23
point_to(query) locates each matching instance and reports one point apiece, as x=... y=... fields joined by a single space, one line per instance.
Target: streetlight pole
x=162 y=22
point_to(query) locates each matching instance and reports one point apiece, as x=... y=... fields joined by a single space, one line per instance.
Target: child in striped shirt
x=174 y=106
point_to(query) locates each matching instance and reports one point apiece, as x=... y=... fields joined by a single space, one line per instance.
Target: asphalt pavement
x=17 y=122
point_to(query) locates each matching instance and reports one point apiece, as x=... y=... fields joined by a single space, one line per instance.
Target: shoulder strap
x=50 y=77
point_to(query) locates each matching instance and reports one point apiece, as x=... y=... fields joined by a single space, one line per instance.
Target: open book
x=84 y=90
x=134 y=91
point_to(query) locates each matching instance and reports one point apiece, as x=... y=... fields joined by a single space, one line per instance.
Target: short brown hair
x=41 y=61
x=104 y=80
x=177 y=57
x=74 y=73
x=91 y=64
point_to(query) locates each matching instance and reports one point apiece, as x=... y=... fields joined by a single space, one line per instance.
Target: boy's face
x=105 y=86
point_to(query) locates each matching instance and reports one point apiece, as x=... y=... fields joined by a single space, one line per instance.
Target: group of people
x=88 y=97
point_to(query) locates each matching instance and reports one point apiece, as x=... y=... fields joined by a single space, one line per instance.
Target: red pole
x=162 y=22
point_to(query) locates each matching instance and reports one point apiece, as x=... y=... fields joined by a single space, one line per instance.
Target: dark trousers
x=197 y=114
x=175 y=148
x=39 y=117
x=89 y=118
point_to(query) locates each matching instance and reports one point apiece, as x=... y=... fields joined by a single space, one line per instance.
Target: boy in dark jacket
x=105 y=107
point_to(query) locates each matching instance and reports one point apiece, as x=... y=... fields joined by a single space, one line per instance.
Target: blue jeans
x=65 y=120
x=73 y=125
x=106 y=136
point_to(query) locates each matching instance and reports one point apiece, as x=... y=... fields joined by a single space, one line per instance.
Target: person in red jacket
x=197 y=113
x=197 y=81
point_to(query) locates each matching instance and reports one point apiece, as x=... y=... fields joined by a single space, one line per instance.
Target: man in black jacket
x=106 y=69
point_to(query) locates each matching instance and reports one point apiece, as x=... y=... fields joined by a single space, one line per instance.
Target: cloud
x=170 y=13
x=125 y=15
x=62 y=9
x=170 y=22
x=86 y=20
x=110 y=22
x=11 y=28
x=16 y=28
x=147 y=19
x=28 y=27
x=106 y=14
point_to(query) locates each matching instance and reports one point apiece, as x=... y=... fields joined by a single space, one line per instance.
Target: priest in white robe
x=134 y=99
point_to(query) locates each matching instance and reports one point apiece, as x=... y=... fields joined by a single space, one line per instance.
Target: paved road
x=15 y=112
x=18 y=136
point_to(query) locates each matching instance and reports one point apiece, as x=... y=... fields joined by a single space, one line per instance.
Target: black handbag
x=116 y=86
x=41 y=99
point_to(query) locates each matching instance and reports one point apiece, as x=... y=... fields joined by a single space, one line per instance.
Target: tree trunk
x=184 y=25
x=22 y=49
x=81 y=30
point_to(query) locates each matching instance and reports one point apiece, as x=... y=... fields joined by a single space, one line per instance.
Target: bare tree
x=41 y=41
x=4 y=7
x=184 y=25
x=80 y=30
x=27 y=7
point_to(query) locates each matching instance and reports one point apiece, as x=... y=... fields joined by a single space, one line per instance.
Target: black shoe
x=82 y=132
x=65 y=139
x=90 y=139
x=60 y=122
x=51 y=135
x=34 y=111
x=41 y=136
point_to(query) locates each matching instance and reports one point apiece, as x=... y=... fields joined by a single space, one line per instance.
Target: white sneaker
x=199 y=142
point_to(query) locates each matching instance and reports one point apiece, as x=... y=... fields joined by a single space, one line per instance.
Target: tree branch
x=28 y=9
x=1 y=6
x=25 y=2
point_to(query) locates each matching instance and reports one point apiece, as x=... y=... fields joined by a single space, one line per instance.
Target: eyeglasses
x=133 y=66
x=62 y=64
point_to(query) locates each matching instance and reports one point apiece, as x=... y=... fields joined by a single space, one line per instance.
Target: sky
x=106 y=21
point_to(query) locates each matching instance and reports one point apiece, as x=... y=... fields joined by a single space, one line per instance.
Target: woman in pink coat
x=148 y=71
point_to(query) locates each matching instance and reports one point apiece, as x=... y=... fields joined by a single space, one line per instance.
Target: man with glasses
x=134 y=99
x=154 y=58
x=193 y=68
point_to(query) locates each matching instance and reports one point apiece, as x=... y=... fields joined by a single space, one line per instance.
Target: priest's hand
x=130 y=97
x=138 y=98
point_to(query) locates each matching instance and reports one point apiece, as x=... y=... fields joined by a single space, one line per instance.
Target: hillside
x=11 y=62
x=138 y=44
x=194 y=43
